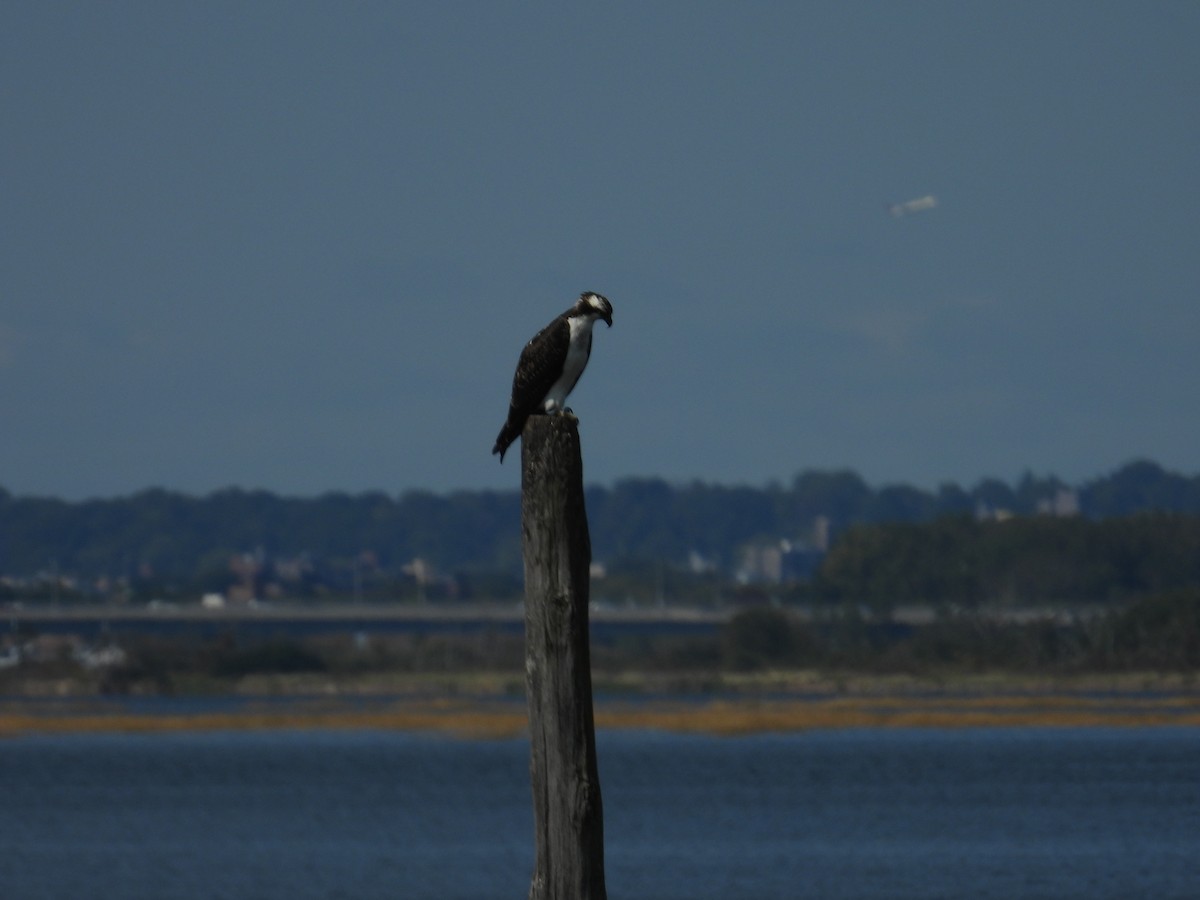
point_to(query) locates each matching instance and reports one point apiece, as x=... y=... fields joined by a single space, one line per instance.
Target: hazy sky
x=298 y=246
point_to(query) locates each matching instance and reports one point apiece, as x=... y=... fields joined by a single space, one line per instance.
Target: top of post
x=550 y=449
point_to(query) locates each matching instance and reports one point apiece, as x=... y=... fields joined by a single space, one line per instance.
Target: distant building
x=10 y=656
x=777 y=562
x=1064 y=504
x=986 y=513
x=100 y=657
x=822 y=533
x=241 y=595
x=699 y=564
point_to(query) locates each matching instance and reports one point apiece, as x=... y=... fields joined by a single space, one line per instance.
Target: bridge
x=295 y=621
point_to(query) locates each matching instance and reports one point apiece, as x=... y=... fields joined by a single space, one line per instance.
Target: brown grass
x=733 y=718
x=484 y=717
x=465 y=719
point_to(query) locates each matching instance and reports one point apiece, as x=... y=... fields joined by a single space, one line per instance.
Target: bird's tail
x=509 y=433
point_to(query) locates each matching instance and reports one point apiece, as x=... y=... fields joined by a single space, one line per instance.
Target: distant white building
x=699 y=564
x=775 y=562
x=101 y=657
x=985 y=513
x=1064 y=503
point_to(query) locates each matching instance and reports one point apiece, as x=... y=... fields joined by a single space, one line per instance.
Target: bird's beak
x=608 y=320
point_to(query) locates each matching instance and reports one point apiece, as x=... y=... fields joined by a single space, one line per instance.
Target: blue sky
x=298 y=246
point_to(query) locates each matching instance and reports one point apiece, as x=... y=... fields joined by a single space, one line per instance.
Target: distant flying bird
x=920 y=204
x=550 y=365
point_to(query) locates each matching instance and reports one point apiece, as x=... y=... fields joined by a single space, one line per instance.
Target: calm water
x=1087 y=813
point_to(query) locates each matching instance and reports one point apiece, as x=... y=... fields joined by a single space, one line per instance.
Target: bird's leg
x=561 y=411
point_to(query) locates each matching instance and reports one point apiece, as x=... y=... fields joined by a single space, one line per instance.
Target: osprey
x=551 y=364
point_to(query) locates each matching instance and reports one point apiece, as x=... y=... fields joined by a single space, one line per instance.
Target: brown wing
x=539 y=366
x=537 y=370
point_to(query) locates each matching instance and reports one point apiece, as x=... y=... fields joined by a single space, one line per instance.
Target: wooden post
x=568 y=819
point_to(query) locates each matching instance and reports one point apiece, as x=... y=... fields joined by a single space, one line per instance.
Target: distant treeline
x=1030 y=561
x=1155 y=634
x=1159 y=633
x=160 y=538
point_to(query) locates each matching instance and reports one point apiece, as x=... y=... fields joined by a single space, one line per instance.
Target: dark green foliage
x=760 y=639
x=282 y=656
x=1020 y=562
x=160 y=544
x=1159 y=632
x=974 y=644
x=1139 y=486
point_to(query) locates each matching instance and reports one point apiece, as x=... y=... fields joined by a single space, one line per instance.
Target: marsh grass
x=490 y=708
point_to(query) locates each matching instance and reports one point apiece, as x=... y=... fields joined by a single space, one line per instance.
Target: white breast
x=577 y=357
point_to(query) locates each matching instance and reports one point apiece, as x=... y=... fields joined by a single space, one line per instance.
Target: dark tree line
x=1018 y=562
x=475 y=535
x=1160 y=632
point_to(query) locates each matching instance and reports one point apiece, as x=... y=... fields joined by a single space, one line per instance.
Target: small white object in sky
x=920 y=204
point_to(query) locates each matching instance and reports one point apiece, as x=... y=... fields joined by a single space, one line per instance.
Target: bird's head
x=595 y=305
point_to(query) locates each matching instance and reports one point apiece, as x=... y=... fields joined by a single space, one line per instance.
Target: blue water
x=1028 y=813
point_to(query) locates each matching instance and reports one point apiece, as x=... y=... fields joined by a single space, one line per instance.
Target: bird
x=550 y=366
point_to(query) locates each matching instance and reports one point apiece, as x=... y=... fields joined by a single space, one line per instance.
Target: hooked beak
x=607 y=320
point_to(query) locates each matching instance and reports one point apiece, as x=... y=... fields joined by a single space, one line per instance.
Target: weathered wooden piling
x=568 y=818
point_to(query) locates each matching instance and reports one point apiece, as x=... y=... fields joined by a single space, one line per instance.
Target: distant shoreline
x=492 y=707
